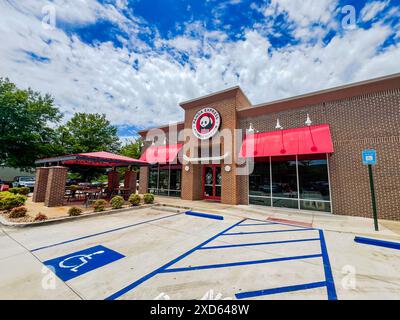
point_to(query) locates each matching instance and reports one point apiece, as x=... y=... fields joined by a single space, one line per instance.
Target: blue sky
x=135 y=60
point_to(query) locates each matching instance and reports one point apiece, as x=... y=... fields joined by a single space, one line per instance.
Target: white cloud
x=185 y=44
x=306 y=12
x=101 y=78
x=372 y=9
x=310 y=19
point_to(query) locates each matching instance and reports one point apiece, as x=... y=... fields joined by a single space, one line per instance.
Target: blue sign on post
x=75 y=264
x=369 y=157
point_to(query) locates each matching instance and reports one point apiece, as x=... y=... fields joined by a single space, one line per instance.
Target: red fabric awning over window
x=161 y=154
x=305 y=140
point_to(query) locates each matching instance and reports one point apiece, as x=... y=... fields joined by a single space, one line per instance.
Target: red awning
x=94 y=159
x=305 y=140
x=161 y=154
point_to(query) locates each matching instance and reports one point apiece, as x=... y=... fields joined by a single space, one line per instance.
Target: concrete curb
x=10 y=224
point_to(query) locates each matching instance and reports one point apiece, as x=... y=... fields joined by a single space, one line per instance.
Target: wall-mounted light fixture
x=308 y=121
x=278 y=125
x=251 y=129
x=187 y=168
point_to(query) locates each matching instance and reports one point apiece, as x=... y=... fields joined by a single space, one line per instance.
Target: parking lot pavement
x=148 y=253
x=22 y=276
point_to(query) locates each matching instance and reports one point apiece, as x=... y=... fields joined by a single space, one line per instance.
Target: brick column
x=130 y=181
x=39 y=193
x=144 y=180
x=113 y=180
x=192 y=182
x=56 y=187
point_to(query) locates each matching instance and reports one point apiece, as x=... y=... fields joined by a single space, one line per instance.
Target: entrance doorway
x=212 y=182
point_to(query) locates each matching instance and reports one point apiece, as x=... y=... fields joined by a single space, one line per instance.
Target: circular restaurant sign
x=206 y=123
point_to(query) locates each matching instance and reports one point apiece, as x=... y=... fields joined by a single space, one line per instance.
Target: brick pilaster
x=39 y=193
x=144 y=180
x=56 y=186
x=130 y=181
x=113 y=180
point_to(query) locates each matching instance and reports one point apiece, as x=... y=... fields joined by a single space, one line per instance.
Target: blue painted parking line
x=261 y=232
x=166 y=268
x=78 y=263
x=204 y=215
x=103 y=232
x=257 y=244
x=379 y=243
x=241 y=263
x=330 y=285
x=252 y=294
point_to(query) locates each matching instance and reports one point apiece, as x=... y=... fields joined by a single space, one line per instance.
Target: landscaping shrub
x=100 y=205
x=134 y=199
x=24 y=191
x=117 y=202
x=14 y=190
x=9 y=200
x=74 y=212
x=148 y=198
x=4 y=194
x=40 y=217
x=18 y=212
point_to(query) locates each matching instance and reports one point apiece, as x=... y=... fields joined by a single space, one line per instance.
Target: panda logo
x=206 y=123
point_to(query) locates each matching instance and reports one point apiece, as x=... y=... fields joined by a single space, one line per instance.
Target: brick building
x=308 y=160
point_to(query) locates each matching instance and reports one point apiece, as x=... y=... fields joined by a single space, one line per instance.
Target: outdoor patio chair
x=68 y=195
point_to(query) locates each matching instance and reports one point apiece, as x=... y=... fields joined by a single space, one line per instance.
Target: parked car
x=24 y=182
x=3 y=186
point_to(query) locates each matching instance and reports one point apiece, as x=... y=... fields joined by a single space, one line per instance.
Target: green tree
x=26 y=121
x=132 y=149
x=88 y=133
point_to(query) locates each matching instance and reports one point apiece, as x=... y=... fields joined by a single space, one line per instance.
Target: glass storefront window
x=313 y=178
x=175 y=179
x=285 y=203
x=165 y=180
x=153 y=178
x=315 y=205
x=260 y=183
x=284 y=177
x=297 y=182
x=261 y=201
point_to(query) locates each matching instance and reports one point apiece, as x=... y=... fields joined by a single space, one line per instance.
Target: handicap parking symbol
x=75 y=264
x=369 y=157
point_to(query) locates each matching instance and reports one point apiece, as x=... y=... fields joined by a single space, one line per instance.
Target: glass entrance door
x=212 y=182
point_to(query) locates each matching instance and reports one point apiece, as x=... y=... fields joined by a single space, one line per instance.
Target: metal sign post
x=369 y=159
